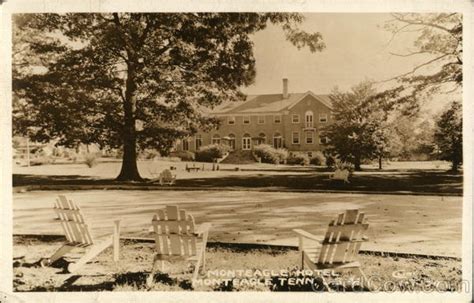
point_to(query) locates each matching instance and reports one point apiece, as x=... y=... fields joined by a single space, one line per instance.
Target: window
x=323 y=118
x=309 y=137
x=295 y=138
x=231 y=120
x=261 y=119
x=295 y=118
x=198 y=141
x=262 y=138
x=308 y=119
x=185 y=144
x=216 y=139
x=246 y=142
x=277 y=119
x=246 y=119
x=323 y=140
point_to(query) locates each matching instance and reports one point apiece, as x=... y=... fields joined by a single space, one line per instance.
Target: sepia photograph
x=238 y=151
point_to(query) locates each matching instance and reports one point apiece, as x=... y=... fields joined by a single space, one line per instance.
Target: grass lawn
x=401 y=223
x=398 y=177
x=398 y=273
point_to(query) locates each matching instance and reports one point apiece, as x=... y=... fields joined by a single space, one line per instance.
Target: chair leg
x=93 y=251
x=302 y=259
x=57 y=254
x=198 y=265
x=203 y=268
x=363 y=278
x=149 y=280
x=325 y=283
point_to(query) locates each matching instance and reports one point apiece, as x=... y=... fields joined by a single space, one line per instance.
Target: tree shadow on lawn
x=27 y=179
x=432 y=182
x=420 y=181
x=135 y=281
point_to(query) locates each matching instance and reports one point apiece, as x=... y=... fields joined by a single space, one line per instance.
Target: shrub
x=266 y=153
x=210 y=153
x=90 y=159
x=318 y=159
x=282 y=155
x=298 y=159
x=184 y=155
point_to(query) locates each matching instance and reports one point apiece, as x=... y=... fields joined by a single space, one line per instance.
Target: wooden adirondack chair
x=166 y=177
x=339 y=247
x=78 y=235
x=176 y=238
x=340 y=175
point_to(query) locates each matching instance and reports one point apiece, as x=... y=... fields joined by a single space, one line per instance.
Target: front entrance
x=277 y=141
x=231 y=141
x=246 y=143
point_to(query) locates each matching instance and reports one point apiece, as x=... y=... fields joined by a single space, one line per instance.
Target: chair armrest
x=203 y=228
x=307 y=235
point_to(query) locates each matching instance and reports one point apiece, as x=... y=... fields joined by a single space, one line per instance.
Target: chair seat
x=313 y=255
x=195 y=257
x=340 y=265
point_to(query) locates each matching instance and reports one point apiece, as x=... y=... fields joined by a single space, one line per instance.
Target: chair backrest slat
x=166 y=175
x=72 y=221
x=343 y=238
x=174 y=232
x=66 y=228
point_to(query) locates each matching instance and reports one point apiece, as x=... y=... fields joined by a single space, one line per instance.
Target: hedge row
x=210 y=153
x=268 y=154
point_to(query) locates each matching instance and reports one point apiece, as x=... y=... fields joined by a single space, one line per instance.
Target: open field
x=384 y=273
x=428 y=224
x=396 y=177
x=410 y=224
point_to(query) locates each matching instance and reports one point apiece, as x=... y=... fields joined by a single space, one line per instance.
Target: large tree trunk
x=357 y=164
x=129 y=171
x=380 y=161
x=455 y=165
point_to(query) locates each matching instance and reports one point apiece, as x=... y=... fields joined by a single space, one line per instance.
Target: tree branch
x=409 y=54
x=415 y=68
x=419 y=22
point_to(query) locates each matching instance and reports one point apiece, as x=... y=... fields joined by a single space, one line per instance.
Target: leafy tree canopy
x=448 y=135
x=88 y=78
x=359 y=129
x=438 y=39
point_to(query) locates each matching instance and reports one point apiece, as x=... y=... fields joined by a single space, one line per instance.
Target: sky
x=357 y=48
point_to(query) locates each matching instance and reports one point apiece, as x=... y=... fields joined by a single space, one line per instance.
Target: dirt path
x=411 y=224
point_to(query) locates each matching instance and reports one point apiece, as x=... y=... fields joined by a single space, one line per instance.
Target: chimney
x=285 y=88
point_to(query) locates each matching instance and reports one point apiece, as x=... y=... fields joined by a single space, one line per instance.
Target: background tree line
x=376 y=124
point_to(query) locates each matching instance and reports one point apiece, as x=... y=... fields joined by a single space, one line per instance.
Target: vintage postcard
x=236 y=150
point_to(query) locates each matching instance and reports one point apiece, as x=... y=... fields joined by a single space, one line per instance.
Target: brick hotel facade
x=292 y=121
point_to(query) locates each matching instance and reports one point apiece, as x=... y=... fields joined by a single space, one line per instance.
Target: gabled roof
x=271 y=103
